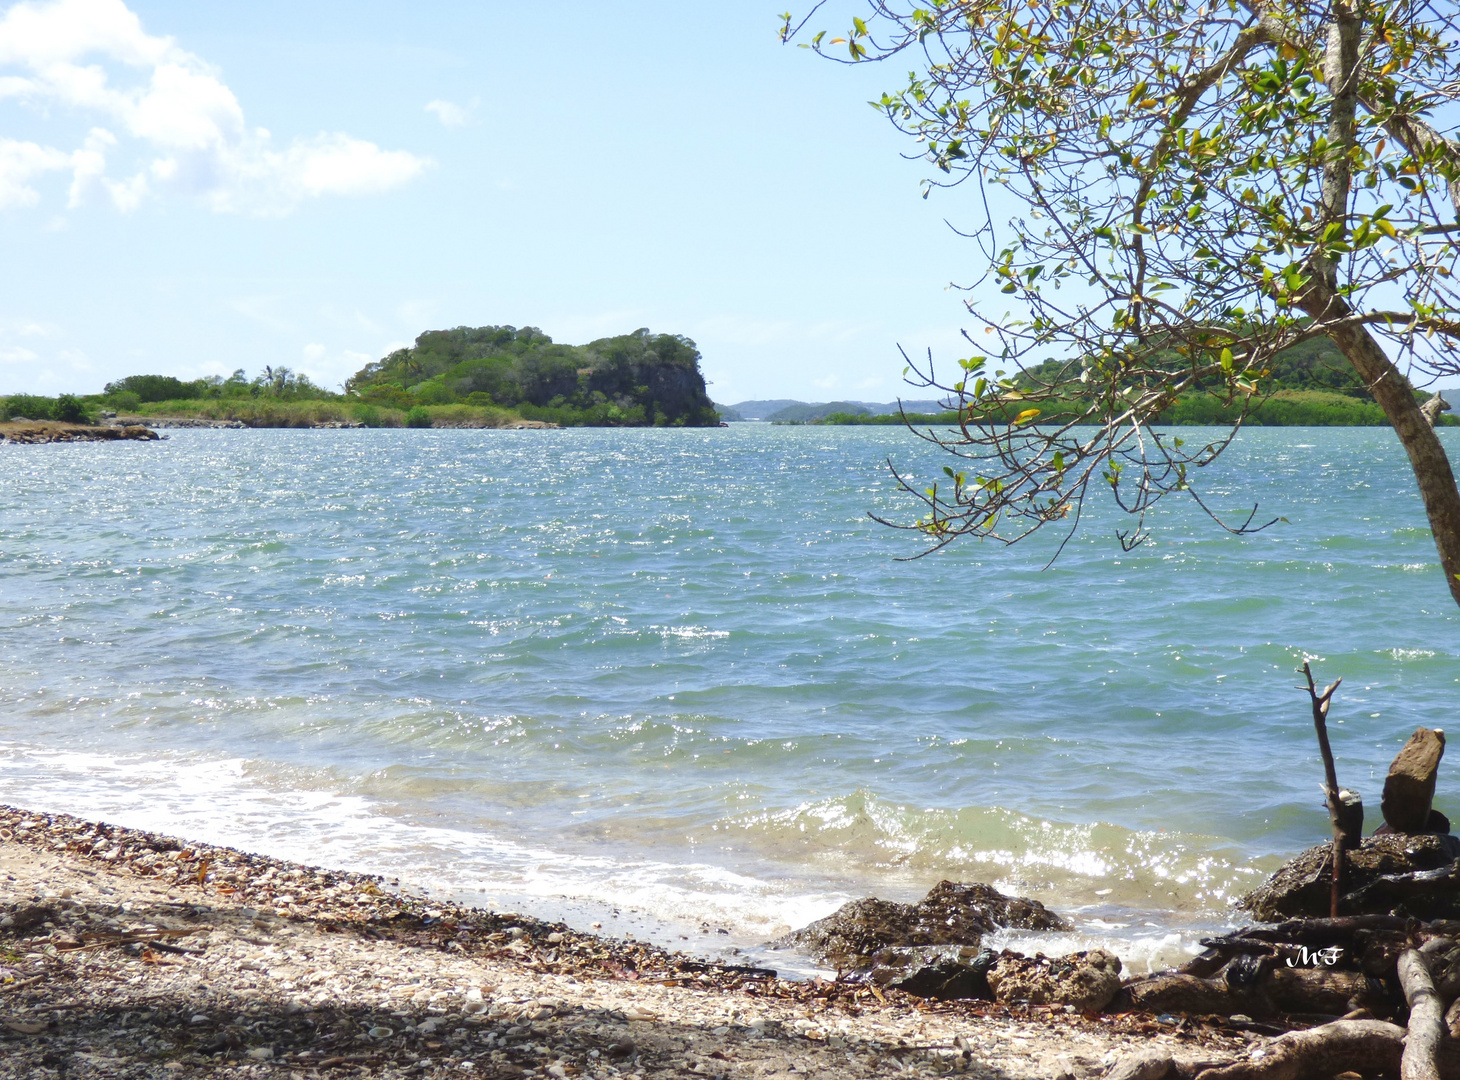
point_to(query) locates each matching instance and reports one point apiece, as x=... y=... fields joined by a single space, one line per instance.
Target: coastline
x=35 y=432
x=128 y=954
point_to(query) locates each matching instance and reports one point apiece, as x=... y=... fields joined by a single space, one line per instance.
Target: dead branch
x=1339 y=816
x=1426 y=1019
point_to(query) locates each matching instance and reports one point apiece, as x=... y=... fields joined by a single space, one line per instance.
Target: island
x=466 y=377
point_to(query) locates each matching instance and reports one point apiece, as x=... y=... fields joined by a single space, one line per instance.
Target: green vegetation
x=1285 y=408
x=68 y=408
x=1188 y=192
x=632 y=380
x=1310 y=384
x=491 y=376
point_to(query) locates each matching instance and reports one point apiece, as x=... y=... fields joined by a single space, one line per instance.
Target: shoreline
x=37 y=432
x=128 y=954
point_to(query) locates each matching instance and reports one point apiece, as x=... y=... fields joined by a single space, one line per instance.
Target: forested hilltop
x=488 y=376
x=631 y=380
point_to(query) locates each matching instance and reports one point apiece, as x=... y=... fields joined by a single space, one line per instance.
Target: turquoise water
x=681 y=677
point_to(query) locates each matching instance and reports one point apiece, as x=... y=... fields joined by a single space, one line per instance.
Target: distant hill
x=785 y=410
x=761 y=410
x=632 y=380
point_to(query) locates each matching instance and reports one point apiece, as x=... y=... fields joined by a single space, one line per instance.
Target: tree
x=1199 y=184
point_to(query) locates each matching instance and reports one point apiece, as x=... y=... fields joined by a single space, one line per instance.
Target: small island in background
x=468 y=377
x=518 y=377
x=1309 y=385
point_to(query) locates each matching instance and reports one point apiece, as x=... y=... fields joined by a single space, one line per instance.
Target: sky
x=189 y=189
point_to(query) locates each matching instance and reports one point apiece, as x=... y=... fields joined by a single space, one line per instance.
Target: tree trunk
x=1392 y=393
x=1321 y=300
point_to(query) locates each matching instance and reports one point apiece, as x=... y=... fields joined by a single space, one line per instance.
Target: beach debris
x=1409 y=789
x=952 y=913
x=1357 y=973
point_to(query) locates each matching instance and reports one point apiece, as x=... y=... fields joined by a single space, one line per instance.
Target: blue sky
x=585 y=168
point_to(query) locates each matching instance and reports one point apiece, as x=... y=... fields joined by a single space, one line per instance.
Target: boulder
x=1274 y=991
x=1391 y=872
x=945 y=972
x=1410 y=787
x=951 y=914
x=1087 y=980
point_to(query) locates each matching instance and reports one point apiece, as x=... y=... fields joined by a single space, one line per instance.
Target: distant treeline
x=1310 y=384
x=488 y=376
x=1286 y=408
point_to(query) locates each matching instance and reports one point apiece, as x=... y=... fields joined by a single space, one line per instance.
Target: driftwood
x=1327 y=931
x=1363 y=1046
x=1426 y=1019
x=1160 y=1065
x=1350 y=818
x=1367 y=1047
x=1452 y=1019
x=1339 y=818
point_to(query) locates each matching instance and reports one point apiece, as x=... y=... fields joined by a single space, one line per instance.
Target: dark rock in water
x=1410 y=786
x=1408 y=875
x=951 y=914
x=945 y=972
x=1087 y=980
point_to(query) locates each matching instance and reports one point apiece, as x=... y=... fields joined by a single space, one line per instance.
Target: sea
x=679 y=684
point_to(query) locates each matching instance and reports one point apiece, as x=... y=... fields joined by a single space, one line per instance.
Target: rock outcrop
x=32 y=432
x=1410 y=875
x=1088 y=981
x=951 y=914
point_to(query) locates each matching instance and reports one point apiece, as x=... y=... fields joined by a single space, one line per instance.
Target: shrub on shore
x=67 y=408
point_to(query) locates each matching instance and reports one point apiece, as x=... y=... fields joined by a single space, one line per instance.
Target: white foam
x=220 y=802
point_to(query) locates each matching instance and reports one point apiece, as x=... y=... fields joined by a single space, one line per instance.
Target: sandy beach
x=128 y=954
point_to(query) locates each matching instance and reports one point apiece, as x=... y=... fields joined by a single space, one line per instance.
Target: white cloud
x=328 y=367
x=19 y=163
x=169 y=108
x=450 y=114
